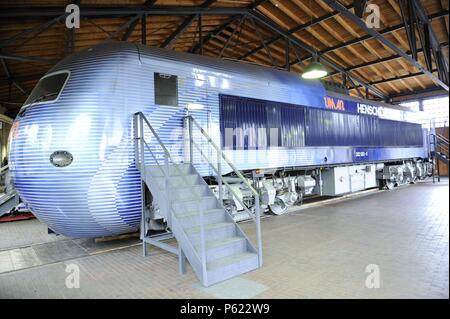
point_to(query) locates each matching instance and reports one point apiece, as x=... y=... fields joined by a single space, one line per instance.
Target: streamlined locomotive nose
x=69 y=178
x=72 y=163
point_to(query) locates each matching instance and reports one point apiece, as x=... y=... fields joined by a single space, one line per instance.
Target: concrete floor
x=316 y=252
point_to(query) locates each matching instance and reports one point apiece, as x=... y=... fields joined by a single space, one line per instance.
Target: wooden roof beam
x=295 y=41
x=339 y=7
x=223 y=26
x=184 y=25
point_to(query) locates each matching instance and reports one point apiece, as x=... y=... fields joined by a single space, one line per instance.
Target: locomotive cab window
x=48 y=88
x=166 y=89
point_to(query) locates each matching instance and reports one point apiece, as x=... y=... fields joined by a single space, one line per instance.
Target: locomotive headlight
x=61 y=158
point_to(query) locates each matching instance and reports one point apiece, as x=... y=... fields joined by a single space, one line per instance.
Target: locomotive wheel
x=390 y=185
x=278 y=207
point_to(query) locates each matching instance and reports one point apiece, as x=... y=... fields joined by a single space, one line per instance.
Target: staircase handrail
x=441 y=143
x=167 y=158
x=442 y=138
x=220 y=155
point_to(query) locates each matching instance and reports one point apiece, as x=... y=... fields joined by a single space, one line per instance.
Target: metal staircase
x=215 y=246
x=8 y=196
x=439 y=151
x=441 y=148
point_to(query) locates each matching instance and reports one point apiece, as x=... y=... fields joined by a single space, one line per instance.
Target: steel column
x=181 y=261
x=288 y=56
x=130 y=29
x=191 y=141
x=200 y=33
x=122 y=27
x=219 y=177
x=258 y=229
x=70 y=41
x=144 y=29
x=139 y=153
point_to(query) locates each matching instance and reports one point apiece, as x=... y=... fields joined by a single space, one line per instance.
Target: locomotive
x=71 y=152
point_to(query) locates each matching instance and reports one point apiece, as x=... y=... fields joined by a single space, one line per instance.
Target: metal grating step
x=210 y=227
x=229 y=260
x=231 y=266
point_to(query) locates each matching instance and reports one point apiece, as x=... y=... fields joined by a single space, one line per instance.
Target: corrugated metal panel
x=395 y=133
x=291 y=126
x=328 y=128
x=259 y=124
x=247 y=116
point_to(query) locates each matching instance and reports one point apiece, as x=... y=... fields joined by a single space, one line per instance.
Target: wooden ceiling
x=315 y=23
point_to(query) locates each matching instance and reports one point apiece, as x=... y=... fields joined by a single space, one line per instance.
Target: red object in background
x=13 y=218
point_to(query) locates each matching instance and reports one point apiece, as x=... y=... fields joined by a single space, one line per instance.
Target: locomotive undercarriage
x=281 y=189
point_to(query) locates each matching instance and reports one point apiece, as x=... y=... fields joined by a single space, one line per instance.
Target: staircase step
x=221 y=248
x=227 y=267
x=157 y=171
x=212 y=232
x=211 y=216
x=192 y=205
x=176 y=180
x=190 y=192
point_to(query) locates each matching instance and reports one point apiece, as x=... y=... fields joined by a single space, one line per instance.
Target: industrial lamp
x=315 y=70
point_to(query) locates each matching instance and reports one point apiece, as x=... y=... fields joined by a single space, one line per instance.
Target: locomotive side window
x=48 y=88
x=166 y=89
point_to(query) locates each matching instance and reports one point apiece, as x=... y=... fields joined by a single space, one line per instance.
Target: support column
x=144 y=29
x=181 y=261
x=288 y=55
x=200 y=33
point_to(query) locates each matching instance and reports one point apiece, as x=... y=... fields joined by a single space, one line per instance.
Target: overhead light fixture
x=315 y=70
